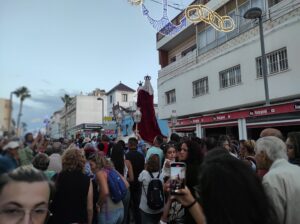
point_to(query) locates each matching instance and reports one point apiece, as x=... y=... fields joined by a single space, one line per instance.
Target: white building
x=122 y=95
x=85 y=113
x=5 y=113
x=213 y=79
x=54 y=129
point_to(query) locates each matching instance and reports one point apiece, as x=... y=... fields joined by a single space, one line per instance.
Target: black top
x=70 y=200
x=138 y=164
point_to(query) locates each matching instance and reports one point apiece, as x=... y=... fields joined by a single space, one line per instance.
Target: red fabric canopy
x=148 y=127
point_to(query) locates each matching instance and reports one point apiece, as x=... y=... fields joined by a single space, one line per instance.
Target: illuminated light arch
x=201 y=13
x=193 y=13
x=135 y=2
x=164 y=25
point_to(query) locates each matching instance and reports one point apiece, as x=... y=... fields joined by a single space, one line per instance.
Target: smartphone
x=177 y=179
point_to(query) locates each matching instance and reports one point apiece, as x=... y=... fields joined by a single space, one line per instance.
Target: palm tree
x=22 y=93
x=67 y=101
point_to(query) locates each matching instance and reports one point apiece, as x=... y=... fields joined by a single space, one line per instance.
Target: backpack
x=116 y=185
x=155 y=193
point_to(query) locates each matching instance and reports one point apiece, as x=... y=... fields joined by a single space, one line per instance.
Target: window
x=190 y=49
x=200 y=87
x=170 y=96
x=124 y=97
x=110 y=99
x=244 y=24
x=230 y=77
x=277 y=61
x=274 y=2
x=173 y=59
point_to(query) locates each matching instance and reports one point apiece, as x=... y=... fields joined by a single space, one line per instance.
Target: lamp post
x=137 y=116
x=99 y=98
x=256 y=13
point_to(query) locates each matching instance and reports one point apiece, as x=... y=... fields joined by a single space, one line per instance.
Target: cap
x=11 y=145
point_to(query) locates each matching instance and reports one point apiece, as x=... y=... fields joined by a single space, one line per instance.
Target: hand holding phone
x=177 y=180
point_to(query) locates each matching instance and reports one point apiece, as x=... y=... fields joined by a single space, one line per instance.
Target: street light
x=99 y=98
x=137 y=116
x=256 y=13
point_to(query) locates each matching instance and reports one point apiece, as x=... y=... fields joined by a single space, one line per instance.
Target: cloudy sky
x=55 y=47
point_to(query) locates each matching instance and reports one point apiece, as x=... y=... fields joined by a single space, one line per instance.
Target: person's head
x=73 y=160
x=94 y=161
x=158 y=140
x=268 y=149
x=41 y=161
x=211 y=142
x=12 y=149
x=271 y=132
x=103 y=162
x=183 y=151
x=170 y=152
x=153 y=163
x=89 y=149
x=117 y=157
x=122 y=144
x=225 y=186
x=28 y=137
x=132 y=143
x=224 y=141
x=247 y=148
x=293 y=146
x=24 y=196
x=105 y=138
x=175 y=137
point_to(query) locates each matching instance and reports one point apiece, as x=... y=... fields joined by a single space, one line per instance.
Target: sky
x=55 y=47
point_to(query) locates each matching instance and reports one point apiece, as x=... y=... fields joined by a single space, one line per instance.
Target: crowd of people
x=99 y=180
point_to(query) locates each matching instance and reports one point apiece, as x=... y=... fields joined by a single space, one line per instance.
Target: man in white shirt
x=282 y=181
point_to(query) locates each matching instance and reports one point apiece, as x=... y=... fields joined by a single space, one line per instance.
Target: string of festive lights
x=193 y=13
x=201 y=13
x=164 y=25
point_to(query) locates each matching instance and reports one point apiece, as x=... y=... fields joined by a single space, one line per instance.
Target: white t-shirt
x=145 y=179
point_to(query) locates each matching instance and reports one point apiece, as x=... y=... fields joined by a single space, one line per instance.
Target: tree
x=67 y=101
x=22 y=93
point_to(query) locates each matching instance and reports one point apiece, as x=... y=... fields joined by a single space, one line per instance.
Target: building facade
x=121 y=95
x=207 y=77
x=84 y=114
x=5 y=113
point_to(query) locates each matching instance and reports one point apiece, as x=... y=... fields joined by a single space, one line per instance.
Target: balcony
x=179 y=65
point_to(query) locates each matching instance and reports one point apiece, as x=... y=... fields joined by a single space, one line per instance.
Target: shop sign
x=297 y=106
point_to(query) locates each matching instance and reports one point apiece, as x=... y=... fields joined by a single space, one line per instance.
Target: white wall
x=285 y=84
x=88 y=110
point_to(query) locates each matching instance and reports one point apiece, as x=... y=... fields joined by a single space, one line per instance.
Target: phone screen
x=177 y=180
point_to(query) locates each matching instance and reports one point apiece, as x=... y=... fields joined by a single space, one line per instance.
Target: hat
x=86 y=140
x=11 y=145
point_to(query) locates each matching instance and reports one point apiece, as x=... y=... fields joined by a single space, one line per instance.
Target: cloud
x=40 y=106
x=36 y=120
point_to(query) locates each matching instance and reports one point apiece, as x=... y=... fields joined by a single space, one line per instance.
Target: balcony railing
x=180 y=64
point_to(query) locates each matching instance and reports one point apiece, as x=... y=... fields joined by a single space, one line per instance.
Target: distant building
x=122 y=95
x=5 y=113
x=54 y=130
x=85 y=114
x=213 y=80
